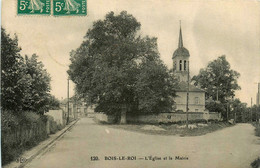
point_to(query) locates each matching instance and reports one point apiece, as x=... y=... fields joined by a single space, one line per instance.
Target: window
x=174 y=65
x=180 y=65
x=184 y=65
x=196 y=100
x=196 y=110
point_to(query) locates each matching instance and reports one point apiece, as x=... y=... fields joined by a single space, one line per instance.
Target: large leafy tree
x=220 y=83
x=54 y=103
x=115 y=68
x=37 y=96
x=238 y=110
x=12 y=73
x=155 y=87
x=25 y=84
x=218 y=80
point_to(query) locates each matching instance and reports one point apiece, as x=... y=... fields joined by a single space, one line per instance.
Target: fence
x=20 y=132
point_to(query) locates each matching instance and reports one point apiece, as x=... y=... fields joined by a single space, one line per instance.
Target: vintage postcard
x=130 y=84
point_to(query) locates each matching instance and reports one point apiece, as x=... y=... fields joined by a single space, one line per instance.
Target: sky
x=210 y=29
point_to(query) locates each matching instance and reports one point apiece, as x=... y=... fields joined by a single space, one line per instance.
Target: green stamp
x=31 y=7
x=69 y=7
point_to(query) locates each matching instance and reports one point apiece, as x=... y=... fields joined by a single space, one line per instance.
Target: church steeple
x=180 y=38
x=180 y=59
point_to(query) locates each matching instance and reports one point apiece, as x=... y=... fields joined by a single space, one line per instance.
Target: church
x=196 y=98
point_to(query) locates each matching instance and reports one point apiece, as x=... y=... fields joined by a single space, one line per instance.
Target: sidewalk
x=42 y=147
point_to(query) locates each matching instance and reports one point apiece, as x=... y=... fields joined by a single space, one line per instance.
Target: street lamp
x=188 y=90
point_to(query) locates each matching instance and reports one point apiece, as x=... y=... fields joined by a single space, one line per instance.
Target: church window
x=196 y=100
x=184 y=65
x=175 y=65
x=180 y=65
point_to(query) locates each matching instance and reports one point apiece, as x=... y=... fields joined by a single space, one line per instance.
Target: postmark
x=33 y=7
x=69 y=7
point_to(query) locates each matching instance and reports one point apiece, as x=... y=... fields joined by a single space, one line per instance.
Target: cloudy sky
x=210 y=29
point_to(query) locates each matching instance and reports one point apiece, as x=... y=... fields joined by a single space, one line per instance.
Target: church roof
x=183 y=87
x=181 y=51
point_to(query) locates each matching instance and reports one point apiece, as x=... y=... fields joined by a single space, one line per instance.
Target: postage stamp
x=69 y=7
x=32 y=7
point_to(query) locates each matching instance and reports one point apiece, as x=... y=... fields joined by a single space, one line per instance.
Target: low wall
x=214 y=116
x=172 y=117
x=90 y=114
x=161 y=117
x=102 y=117
x=58 y=116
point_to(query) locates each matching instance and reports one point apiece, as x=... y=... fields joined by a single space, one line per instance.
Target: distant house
x=180 y=68
x=77 y=109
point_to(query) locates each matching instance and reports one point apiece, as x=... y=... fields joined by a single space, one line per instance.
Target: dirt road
x=233 y=147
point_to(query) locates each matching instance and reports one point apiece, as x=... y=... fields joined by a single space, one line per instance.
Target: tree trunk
x=123 y=115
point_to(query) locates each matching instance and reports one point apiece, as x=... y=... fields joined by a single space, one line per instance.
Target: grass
x=173 y=129
x=256 y=163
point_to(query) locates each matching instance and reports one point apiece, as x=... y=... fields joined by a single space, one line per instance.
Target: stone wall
x=58 y=116
x=161 y=117
x=172 y=117
x=101 y=117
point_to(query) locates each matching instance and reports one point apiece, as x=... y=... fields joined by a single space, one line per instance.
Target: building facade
x=196 y=101
x=77 y=109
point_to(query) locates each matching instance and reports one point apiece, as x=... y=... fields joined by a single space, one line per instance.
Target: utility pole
x=188 y=90
x=68 y=97
x=251 y=109
x=227 y=110
x=258 y=102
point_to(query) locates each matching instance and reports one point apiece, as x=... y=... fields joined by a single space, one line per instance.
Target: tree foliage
x=218 y=80
x=12 y=78
x=25 y=84
x=214 y=106
x=115 y=66
x=54 y=103
x=37 y=92
x=238 y=110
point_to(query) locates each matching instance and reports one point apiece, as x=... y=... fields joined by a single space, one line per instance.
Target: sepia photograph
x=130 y=83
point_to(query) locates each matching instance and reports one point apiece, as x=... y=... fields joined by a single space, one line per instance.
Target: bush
x=53 y=125
x=256 y=163
x=257 y=130
x=8 y=121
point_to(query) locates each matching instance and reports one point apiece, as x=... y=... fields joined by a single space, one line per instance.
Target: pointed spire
x=180 y=38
